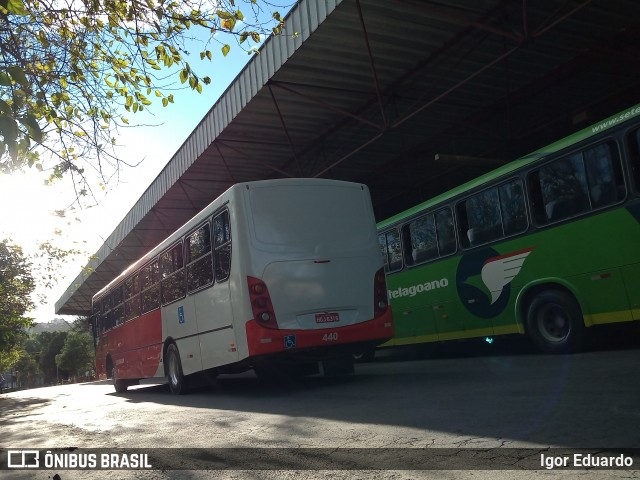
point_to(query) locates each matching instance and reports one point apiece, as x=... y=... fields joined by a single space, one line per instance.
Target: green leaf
x=5 y=108
x=16 y=7
x=18 y=75
x=184 y=75
x=9 y=130
x=5 y=80
x=225 y=50
x=224 y=15
x=32 y=125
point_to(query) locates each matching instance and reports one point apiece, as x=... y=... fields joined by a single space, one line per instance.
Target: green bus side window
x=391 y=250
x=604 y=172
x=633 y=142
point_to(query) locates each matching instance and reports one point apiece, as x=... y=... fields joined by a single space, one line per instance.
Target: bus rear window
x=301 y=219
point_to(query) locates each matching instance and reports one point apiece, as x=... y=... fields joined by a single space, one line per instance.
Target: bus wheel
x=365 y=355
x=177 y=381
x=120 y=385
x=555 y=323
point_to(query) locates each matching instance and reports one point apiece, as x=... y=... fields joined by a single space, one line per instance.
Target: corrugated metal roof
x=371 y=90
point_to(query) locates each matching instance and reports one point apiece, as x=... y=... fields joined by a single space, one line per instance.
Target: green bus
x=546 y=246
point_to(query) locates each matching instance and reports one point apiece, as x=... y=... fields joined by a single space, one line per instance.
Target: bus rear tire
x=120 y=385
x=177 y=380
x=365 y=355
x=555 y=323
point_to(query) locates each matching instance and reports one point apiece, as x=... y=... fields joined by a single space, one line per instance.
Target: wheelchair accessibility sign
x=289 y=342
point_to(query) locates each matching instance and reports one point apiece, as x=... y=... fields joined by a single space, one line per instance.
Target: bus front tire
x=555 y=323
x=120 y=385
x=177 y=380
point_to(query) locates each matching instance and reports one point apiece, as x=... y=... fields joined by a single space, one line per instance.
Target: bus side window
x=97 y=317
x=482 y=214
x=199 y=259
x=512 y=206
x=150 y=286
x=222 y=246
x=172 y=274
x=562 y=186
x=633 y=142
x=391 y=250
x=118 y=306
x=446 y=231
x=132 y=297
x=420 y=240
x=604 y=174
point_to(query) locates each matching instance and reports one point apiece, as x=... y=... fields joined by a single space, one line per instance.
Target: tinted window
x=480 y=218
x=149 y=282
x=391 y=250
x=512 y=205
x=604 y=175
x=200 y=260
x=199 y=243
x=634 y=150
x=132 y=297
x=421 y=241
x=131 y=286
x=577 y=183
x=428 y=237
x=446 y=231
x=172 y=271
x=222 y=246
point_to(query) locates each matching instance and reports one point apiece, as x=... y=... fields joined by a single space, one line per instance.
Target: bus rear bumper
x=262 y=341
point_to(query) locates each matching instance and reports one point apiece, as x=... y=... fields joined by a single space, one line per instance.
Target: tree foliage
x=16 y=285
x=49 y=345
x=70 y=70
x=77 y=355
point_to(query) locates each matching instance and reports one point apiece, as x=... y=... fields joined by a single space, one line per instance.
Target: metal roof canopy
x=372 y=90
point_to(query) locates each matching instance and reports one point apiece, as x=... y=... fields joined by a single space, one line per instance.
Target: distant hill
x=55 y=325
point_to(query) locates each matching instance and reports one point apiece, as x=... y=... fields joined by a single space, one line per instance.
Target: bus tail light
x=380 y=293
x=261 y=303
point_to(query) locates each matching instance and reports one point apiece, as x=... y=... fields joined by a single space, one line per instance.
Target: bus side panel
x=135 y=346
x=631 y=271
x=180 y=323
x=631 y=275
x=218 y=345
x=414 y=311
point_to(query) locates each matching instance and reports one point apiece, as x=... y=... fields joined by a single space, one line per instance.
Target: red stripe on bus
x=262 y=340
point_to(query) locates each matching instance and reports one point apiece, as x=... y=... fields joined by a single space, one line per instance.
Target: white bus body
x=292 y=274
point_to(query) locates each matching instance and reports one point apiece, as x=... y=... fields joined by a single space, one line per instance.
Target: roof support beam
x=251 y=158
x=374 y=73
x=326 y=105
x=286 y=130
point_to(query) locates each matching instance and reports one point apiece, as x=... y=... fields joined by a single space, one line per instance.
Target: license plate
x=328 y=317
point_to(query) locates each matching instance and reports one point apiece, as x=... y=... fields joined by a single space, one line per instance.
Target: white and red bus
x=278 y=273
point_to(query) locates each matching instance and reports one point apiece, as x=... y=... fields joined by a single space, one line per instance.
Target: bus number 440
x=330 y=337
